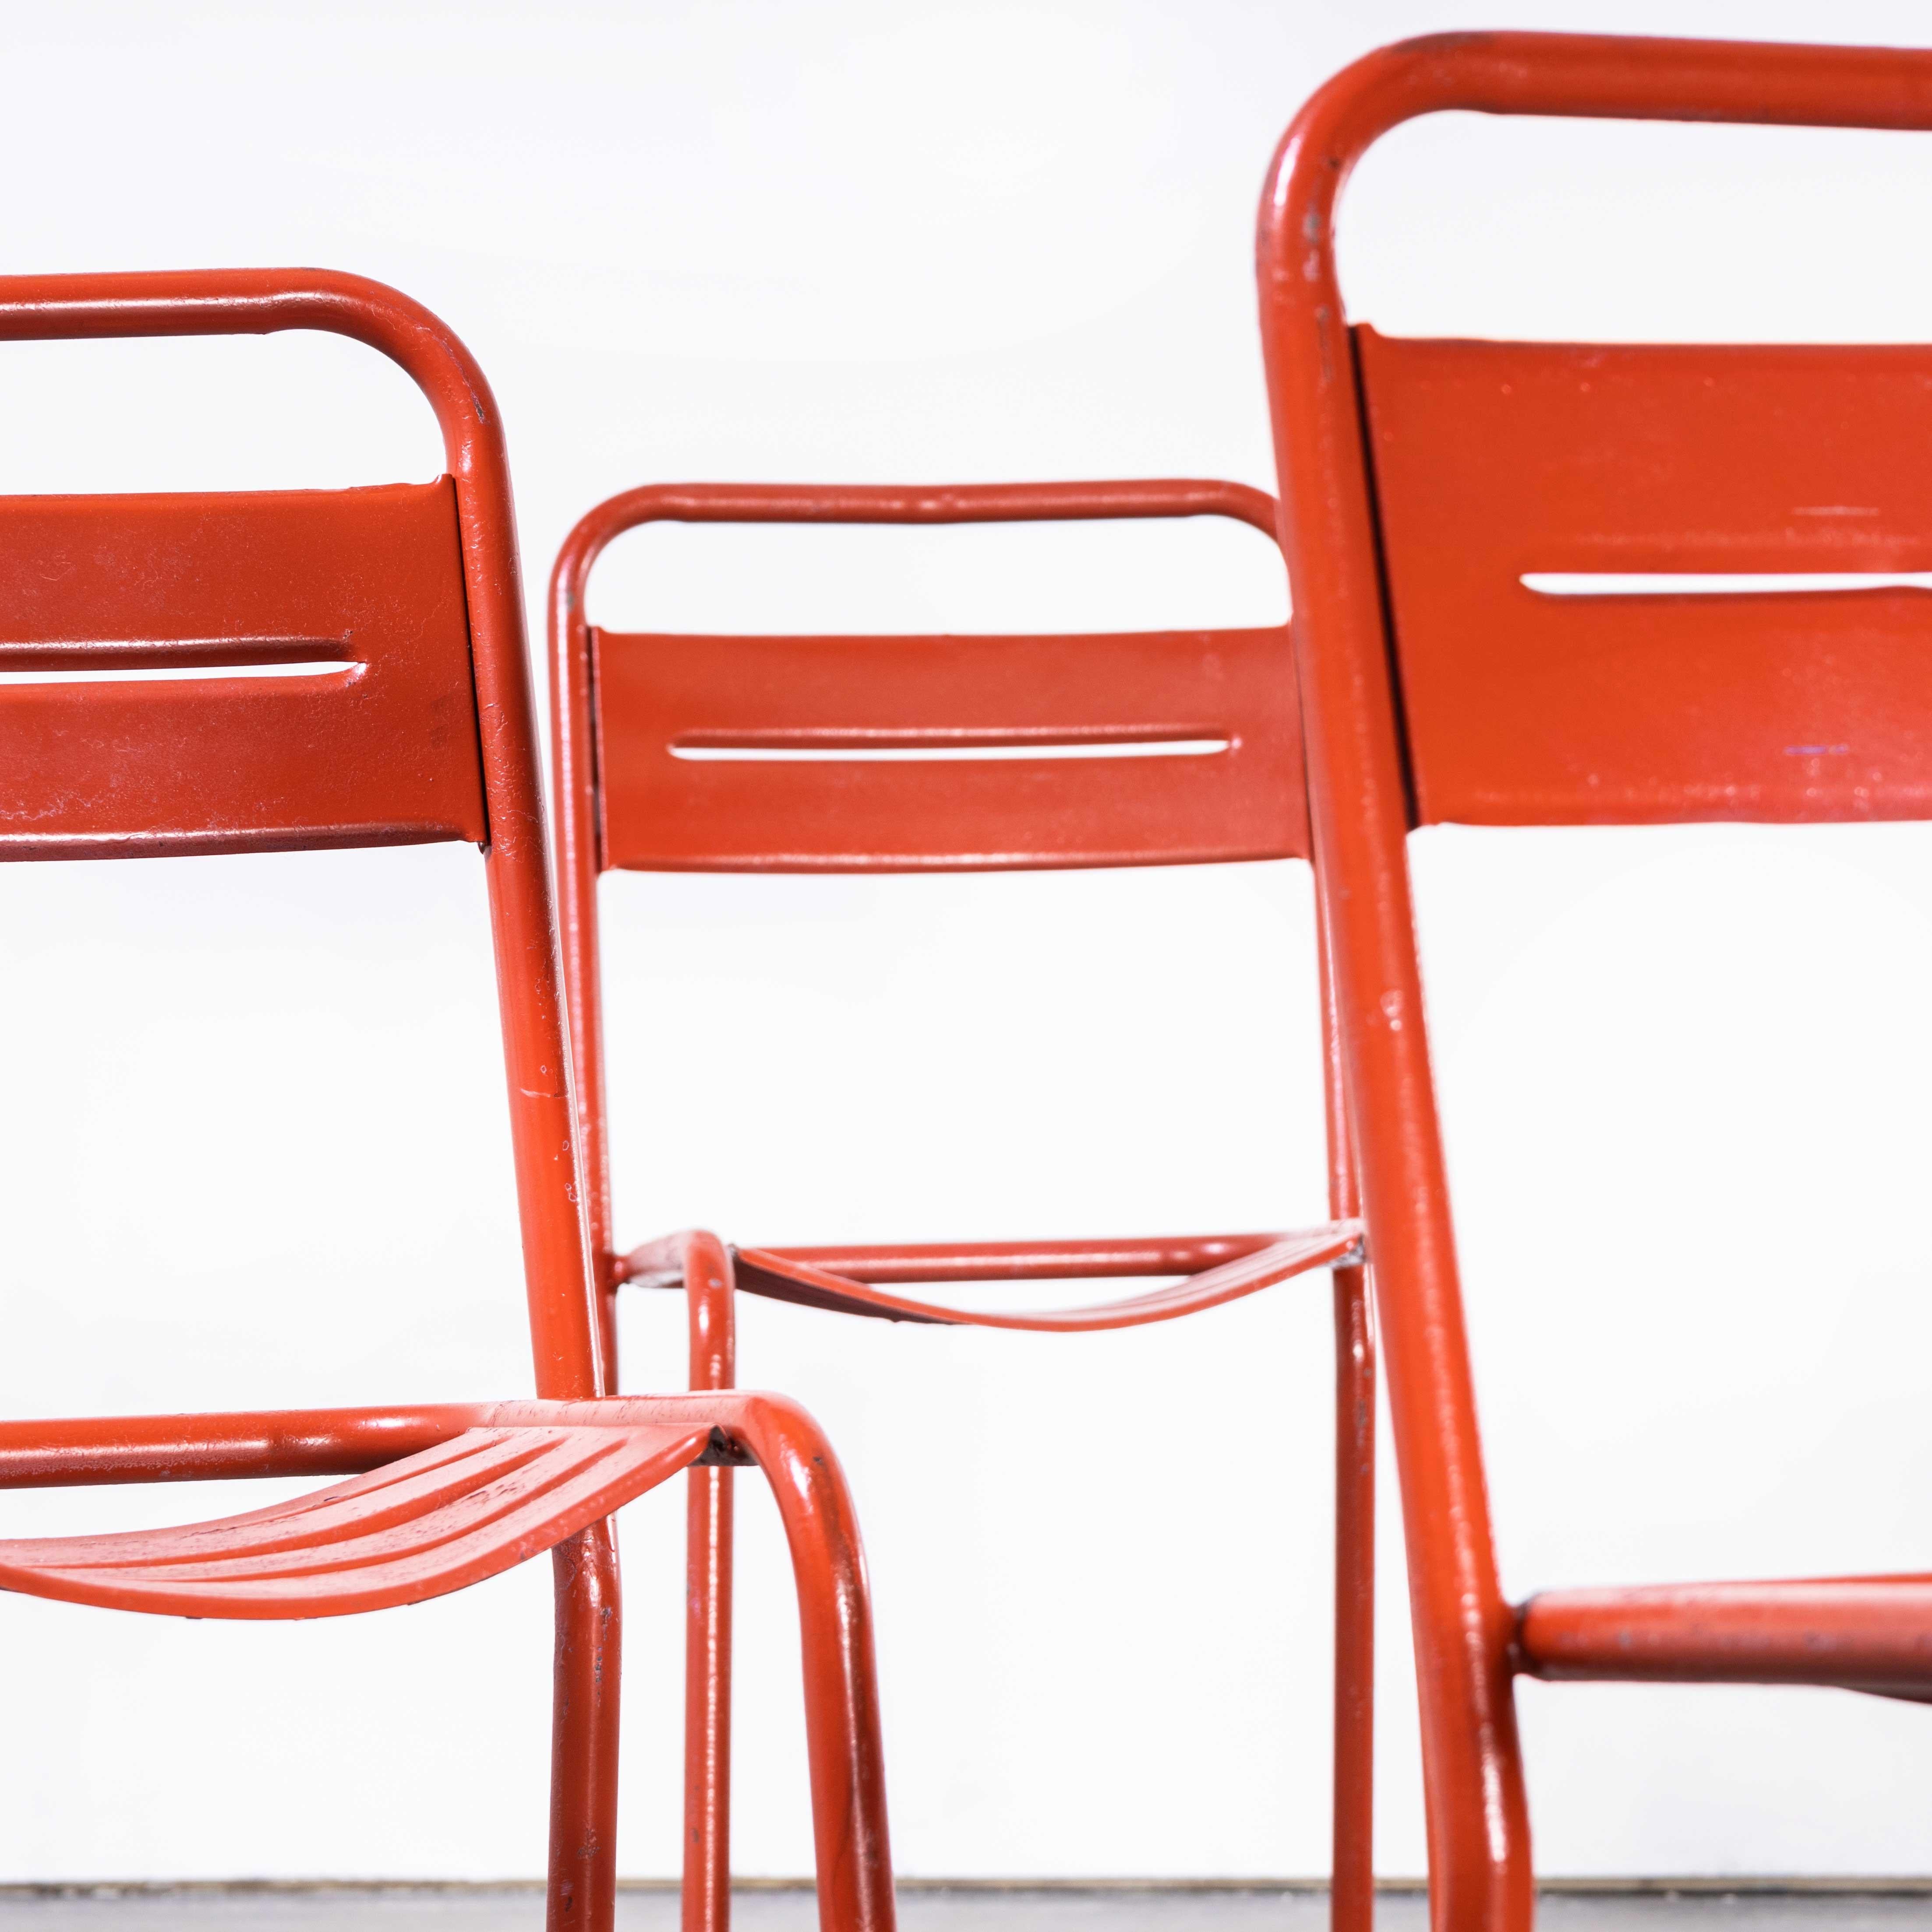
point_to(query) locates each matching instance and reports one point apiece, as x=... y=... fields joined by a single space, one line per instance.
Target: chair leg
x=583 y=1891
x=706 y=1889
x=707 y=1704
x=1351 y=1898
x=843 y=1741
x=1352 y=1883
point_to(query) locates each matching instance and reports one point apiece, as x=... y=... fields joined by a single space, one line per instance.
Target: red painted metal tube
x=759 y=1273
x=1352 y=1898
x=586 y=1703
x=842 y=1729
x=202 y=1448
x=1872 y=1633
x=711 y=1301
x=579 y=858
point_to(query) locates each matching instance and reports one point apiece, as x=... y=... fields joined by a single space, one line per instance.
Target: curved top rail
x=1595 y=76
x=263 y=302
x=890 y=503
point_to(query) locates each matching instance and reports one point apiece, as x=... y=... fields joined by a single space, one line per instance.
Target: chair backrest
x=764 y=754
x=406 y=715
x=373 y=739
x=1422 y=484
x=1532 y=495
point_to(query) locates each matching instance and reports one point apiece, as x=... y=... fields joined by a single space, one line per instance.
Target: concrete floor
x=519 y=1909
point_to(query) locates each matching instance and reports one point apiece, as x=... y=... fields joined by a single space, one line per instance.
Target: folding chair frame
x=745 y=826
x=214 y=579
x=1367 y=789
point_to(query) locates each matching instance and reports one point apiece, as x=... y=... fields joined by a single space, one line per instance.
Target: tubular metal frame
x=1365 y=778
x=463 y=1492
x=857 y=1280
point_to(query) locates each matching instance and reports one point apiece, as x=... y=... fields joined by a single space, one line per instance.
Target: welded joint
x=720 y=1452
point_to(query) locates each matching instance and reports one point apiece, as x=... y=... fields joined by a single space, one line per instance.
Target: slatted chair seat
x=433 y=1523
x=835 y=1280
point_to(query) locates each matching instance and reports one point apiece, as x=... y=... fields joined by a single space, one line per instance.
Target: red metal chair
x=623 y=706
x=411 y=720
x=1422 y=481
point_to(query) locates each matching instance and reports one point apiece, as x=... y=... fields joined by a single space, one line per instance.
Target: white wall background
x=253 y=1147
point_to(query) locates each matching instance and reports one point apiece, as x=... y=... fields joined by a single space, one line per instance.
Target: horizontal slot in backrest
x=334 y=704
x=885 y=754
x=1640 y=584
